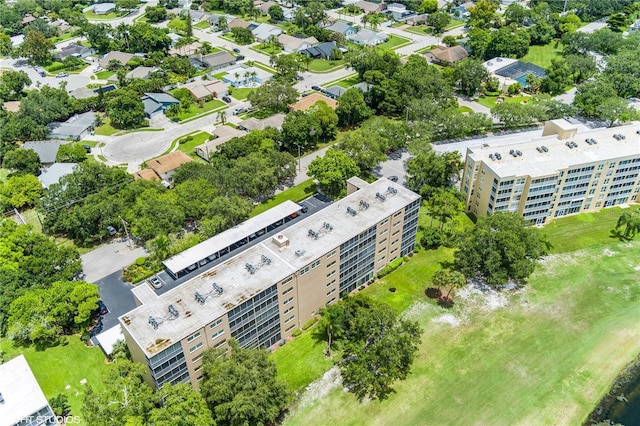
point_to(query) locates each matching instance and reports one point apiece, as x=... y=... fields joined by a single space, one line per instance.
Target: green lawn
x=490 y=101
x=107 y=17
x=348 y=82
x=395 y=42
x=196 y=110
x=544 y=354
x=190 y=146
x=455 y=23
x=542 y=55
x=242 y=93
x=296 y=193
x=322 y=65
x=106 y=129
x=267 y=50
x=464 y=109
x=62 y=366
x=3 y=174
x=103 y=75
x=419 y=29
x=203 y=25
x=63 y=37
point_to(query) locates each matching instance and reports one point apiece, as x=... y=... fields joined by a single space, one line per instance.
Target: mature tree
x=559 y=77
x=127 y=4
x=242 y=387
x=332 y=171
x=189 y=30
x=624 y=76
x=438 y=21
x=5 y=44
x=181 y=405
x=500 y=247
x=60 y=405
x=513 y=115
x=20 y=191
x=445 y=204
x=71 y=153
x=378 y=348
x=630 y=221
x=37 y=48
x=365 y=147
x=448 y=280
x=273 y=96
x=470 y=74
x=12 y=83
x=541 y=33
x=615 y=109
x=125 y=110
x=287 y=66
x=479 y=41
x=617 y=22
x=590 y=95
x=155 y=14
x=126 y=398
x=428 y=171
x=241 y=35
x=582 y=66
x=515 y=14
x=156 y=211
x=276 y=13
x=22 y=161
x=482 y=14
x=373 y=59
x=98 y=36
x=509 y=43
x=428 y=6
x=352 y=109
x=42 y=316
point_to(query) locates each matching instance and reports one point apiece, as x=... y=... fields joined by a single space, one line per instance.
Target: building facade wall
x=575 y=189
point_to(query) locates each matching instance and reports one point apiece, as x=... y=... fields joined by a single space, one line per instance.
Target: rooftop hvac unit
x=351 y=211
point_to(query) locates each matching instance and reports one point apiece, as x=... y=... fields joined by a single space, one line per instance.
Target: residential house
x=62 y=25
x=214 y=19
x=16 y=40
x=46 y=150
x=141 y=72
x=635 y=26
x=175 y=38
x=23 y=401
x=398 y=12
x=291 y=44
x=309 y=101
x=121 y=57
x=370 y=7
x=103 y=8
x=462 y=11
x=366 y=37
x=246 y=76
x=157 y=103
x=146 y=174
x=417 y=19
x=289 y=13
x=265 y=32
x=166 y=165
x=219 y=60
x=76 y=127
x=222 y=134
x=264 y=6
x=364 y=86
x=82 y=93
x=237 y=22
x=447 y=55
x=204 y=90
x=27 y=19
x=342 y=27
x=253 y=123
x=73 y=49
x=320 y=51
x=198 y=16
x=54 y=173
x=186 y=50
x=334 y=92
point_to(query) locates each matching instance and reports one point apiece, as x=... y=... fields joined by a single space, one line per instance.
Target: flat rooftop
x=230 y=236
x=239 y=284
x=20 y=390
x=559 y=156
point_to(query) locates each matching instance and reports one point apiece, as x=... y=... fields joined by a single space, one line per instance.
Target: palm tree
x=222 y=116
x=631 y=223
x=446 y=278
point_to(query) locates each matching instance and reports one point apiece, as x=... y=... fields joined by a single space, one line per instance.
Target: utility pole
x=124 y=223
x=299 y=158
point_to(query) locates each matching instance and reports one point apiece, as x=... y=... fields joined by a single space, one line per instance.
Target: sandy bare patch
x=608 y=252
x=480 y=295
x=450 y=319
x=321 y=387
x=416 y=310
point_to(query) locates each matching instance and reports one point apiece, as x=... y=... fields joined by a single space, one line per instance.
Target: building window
x=198 y=358
x=220 y=344
x=396 y=232
x=193 y=337
x=382 y=259
x=331 y=264
x=315 y=264
x=333 y=253
x=330 y=283
x=397 y=223
x=330 y=292
x=384 y=231
x=217 y=334
x=287 y=291
x=381 y=250
x=304 y=270
x=397 y=214
x=288 y=280
x=196 y=347
x=288 y=300
x=215 y=324
x=288 y=320
x=395 y=241
x=291 y=327
x=612 y=165
x=331 y=273
x=198 y=368
x=289 y=309
x=384 y=240
x=384 y=222
x=600 y=166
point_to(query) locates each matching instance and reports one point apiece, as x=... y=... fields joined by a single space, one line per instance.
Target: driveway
x=109 y=258
x=74 y=81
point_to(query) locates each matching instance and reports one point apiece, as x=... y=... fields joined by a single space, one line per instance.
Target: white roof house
x=264 y=32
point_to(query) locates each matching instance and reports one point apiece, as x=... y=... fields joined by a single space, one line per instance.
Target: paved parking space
x=116 y=294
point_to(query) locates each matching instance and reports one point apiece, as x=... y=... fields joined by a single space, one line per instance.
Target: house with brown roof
x=264 y=6
x=146 y=174
x=204 y=90
x=291 y=44
x=309 y=101
x=241 y=23
x=186 y=50
x=253 y=123
x=447 y=55
x=222 y=134
x=370 y=7
x=121 y=57
x=166 y=165
x=11 y=106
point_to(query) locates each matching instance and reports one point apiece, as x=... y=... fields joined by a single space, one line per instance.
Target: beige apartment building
x=564 y=172
x=264 y=293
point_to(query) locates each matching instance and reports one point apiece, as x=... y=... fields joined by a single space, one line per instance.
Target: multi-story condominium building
x=267 y=291
x=563 y=172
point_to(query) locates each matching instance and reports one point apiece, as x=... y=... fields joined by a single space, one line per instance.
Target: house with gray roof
x=366 y=37
x=334 y=92
x=342 y=27
x=120 y=57
x=363 y=85
x=75 y=128
x=322 y=50
x=264 y=32
x=103 y=8
x=46 y=150
x=219 y=60
x=76 y=50
x=197 y=16
x=157 y=103
x=53 y=173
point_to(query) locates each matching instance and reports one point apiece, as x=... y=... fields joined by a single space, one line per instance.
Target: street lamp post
x=406 y=116
x=299 y=158
x=124 y=223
